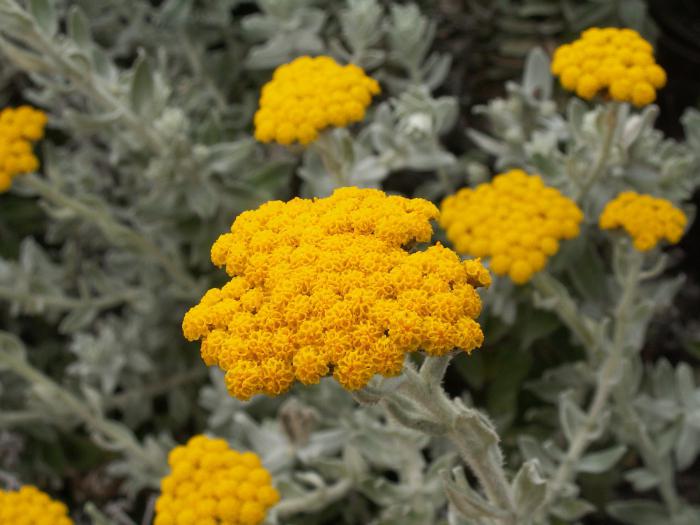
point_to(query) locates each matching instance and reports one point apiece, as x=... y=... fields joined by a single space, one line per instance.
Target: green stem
x=479 y=452
x=112 y=430
x=313 y=501
x=610 y=119
x=624 y=404
x=68 y=303
x=138 y=395
x=323 y=145
x=10 y=419
x=153 y=390
x=606 y=380
x=117 y=232
x=565 y=308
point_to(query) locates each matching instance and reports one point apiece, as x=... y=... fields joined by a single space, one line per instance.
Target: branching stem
x=478 y=446
x=116 y=432
x=114 y=230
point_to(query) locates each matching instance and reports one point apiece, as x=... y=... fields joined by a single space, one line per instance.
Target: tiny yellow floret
x=618 y=63
x=331 y=286
x=646 y=219
x=19 y=127
x=310 y=94
x=515 y=220
x=212 y=483
x=30 y=506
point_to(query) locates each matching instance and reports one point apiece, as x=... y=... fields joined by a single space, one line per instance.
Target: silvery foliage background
x=651 y=429
x=149 y=158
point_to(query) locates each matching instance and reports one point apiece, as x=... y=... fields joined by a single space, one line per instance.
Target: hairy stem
x=63 y=302
x=313 y=501
x=114 y=230
x=610 y=117
x=114 y=431
x=624 y=404
x=477 y=444
x=566 y=308
x=152 y=390
x=323 y=146
x=606 y=380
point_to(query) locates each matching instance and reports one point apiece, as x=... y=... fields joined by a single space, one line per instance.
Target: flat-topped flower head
x=618 y=63
x=329 y=286
x=211 y=484
x=19 y=128
x=515 y=220
x=30 y=506
x=648 y=220
x=310 y=94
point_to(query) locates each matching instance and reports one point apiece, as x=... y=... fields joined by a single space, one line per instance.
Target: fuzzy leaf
x=529 y=488
x=642 y=479
x=571 y=416
x=142 y=87
x=79 y=27
x=599 y=462
x=638 y=512
x=44 y=13
x=537 y=80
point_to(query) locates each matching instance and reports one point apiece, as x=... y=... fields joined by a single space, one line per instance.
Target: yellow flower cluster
x=211 y=484
x=30 y=506
x=328 y=285
x=19 y=127
x=310 y=94
x=646 y=219
x=515 y=219
x=618 y=62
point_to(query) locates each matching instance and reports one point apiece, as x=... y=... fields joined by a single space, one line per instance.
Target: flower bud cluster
x=515 y=220
x=617 y=62
x=30 y=506
x=19 y=127
x=646 y=219
x=310 y=94
x=329 y=286
x=211 y=484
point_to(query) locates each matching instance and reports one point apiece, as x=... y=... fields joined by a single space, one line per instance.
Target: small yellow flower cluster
x=328 y=285
x=646 y=219
x=515 y=219
x=19 y=127
x=30 y=506
x=616 y=61
x=211 y=484
x=310 y=94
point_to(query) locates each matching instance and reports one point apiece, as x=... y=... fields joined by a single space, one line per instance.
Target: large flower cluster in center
x=328 y=285
x=615 y=61
x=212 y=484
x=310 y=94
x=19 y=127
x=30 y=506
x=646 y=219
x=515 y=219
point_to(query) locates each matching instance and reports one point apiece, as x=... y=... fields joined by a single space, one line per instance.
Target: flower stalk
x=606 y=380
x=119 y=436
x=610 y=119
x=421 y=403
